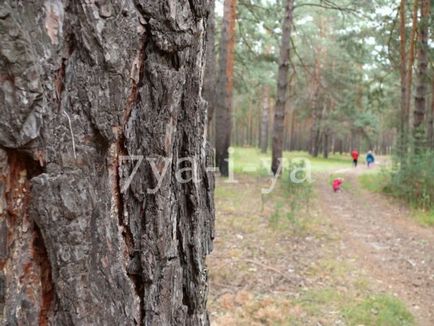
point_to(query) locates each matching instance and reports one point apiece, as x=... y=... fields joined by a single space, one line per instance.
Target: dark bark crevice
x=36 y=267
x=134 y=268
x=24 y=160
x=47 y=286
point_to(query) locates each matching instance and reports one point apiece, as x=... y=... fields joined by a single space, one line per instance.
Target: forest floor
x=315 y=257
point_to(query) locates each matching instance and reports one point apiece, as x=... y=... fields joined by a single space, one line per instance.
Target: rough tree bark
x=282 y=88
x=265 y=122
x=84 y=84
x=423 y=79
x=209 y=82
x=224 y=89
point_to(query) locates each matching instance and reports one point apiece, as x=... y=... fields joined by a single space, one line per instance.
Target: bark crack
x=37 y=269
x=47 y=286
x=135 y=276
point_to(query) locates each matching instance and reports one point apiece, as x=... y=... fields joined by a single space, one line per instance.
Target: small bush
x=276 y=216
x=414 y=180
x=299 y=193
x=295 y=197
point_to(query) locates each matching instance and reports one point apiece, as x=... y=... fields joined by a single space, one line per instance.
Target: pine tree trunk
x=316 y=129
x=316 y=109
x=340 y=146
x=293 y=131
x=282 y=88
x=288 y=128
x=326 y=144
x=411 y=59
x=422 y=77
x=83 y=86
x=403 y=76
x=223 y=100
x=209 y=82
x=316 y=125
x=265 y=119
x=431 y=121
x=406 y=74
x=250 y=133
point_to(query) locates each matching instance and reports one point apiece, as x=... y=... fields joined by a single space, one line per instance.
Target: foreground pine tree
x=84 y=86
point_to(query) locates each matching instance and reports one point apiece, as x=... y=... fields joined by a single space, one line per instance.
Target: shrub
x=299 y=194
x=414 y=180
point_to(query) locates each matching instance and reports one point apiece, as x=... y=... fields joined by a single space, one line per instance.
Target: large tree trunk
x=431 y=121
x=406 y=73
x=287 y=127
x=317 y=105
x=411 y=59
x=265 y=122
x=422 y=77
x=326 y=144
x=403 y=77
x=209 y=82
x=282 y=88
x=223 y=100
x=250 y=126
x=315 y=131
x=84 y=86
x=292 y=132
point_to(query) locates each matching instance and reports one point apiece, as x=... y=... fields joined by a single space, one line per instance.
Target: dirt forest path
x=379 y=234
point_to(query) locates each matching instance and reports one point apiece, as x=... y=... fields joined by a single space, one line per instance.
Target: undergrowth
x=297 y=192
x=424 y=217
x=375 y=182
x=413 y=181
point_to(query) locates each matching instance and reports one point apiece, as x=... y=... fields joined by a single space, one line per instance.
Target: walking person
x=355 y=156
x=370 y=159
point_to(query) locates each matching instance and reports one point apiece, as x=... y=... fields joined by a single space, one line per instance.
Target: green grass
x=425 y=218
x=379 y=310
x=374 y=181
x=374 y=310
x=252 y=161
x=317 y=302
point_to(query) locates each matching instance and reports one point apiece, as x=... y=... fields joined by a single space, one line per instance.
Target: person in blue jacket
x=370 y=159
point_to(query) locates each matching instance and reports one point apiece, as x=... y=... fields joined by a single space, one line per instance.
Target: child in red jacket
x=337 y=183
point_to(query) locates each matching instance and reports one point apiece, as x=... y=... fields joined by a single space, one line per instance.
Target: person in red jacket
x=337 y=183
x=355 y=155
